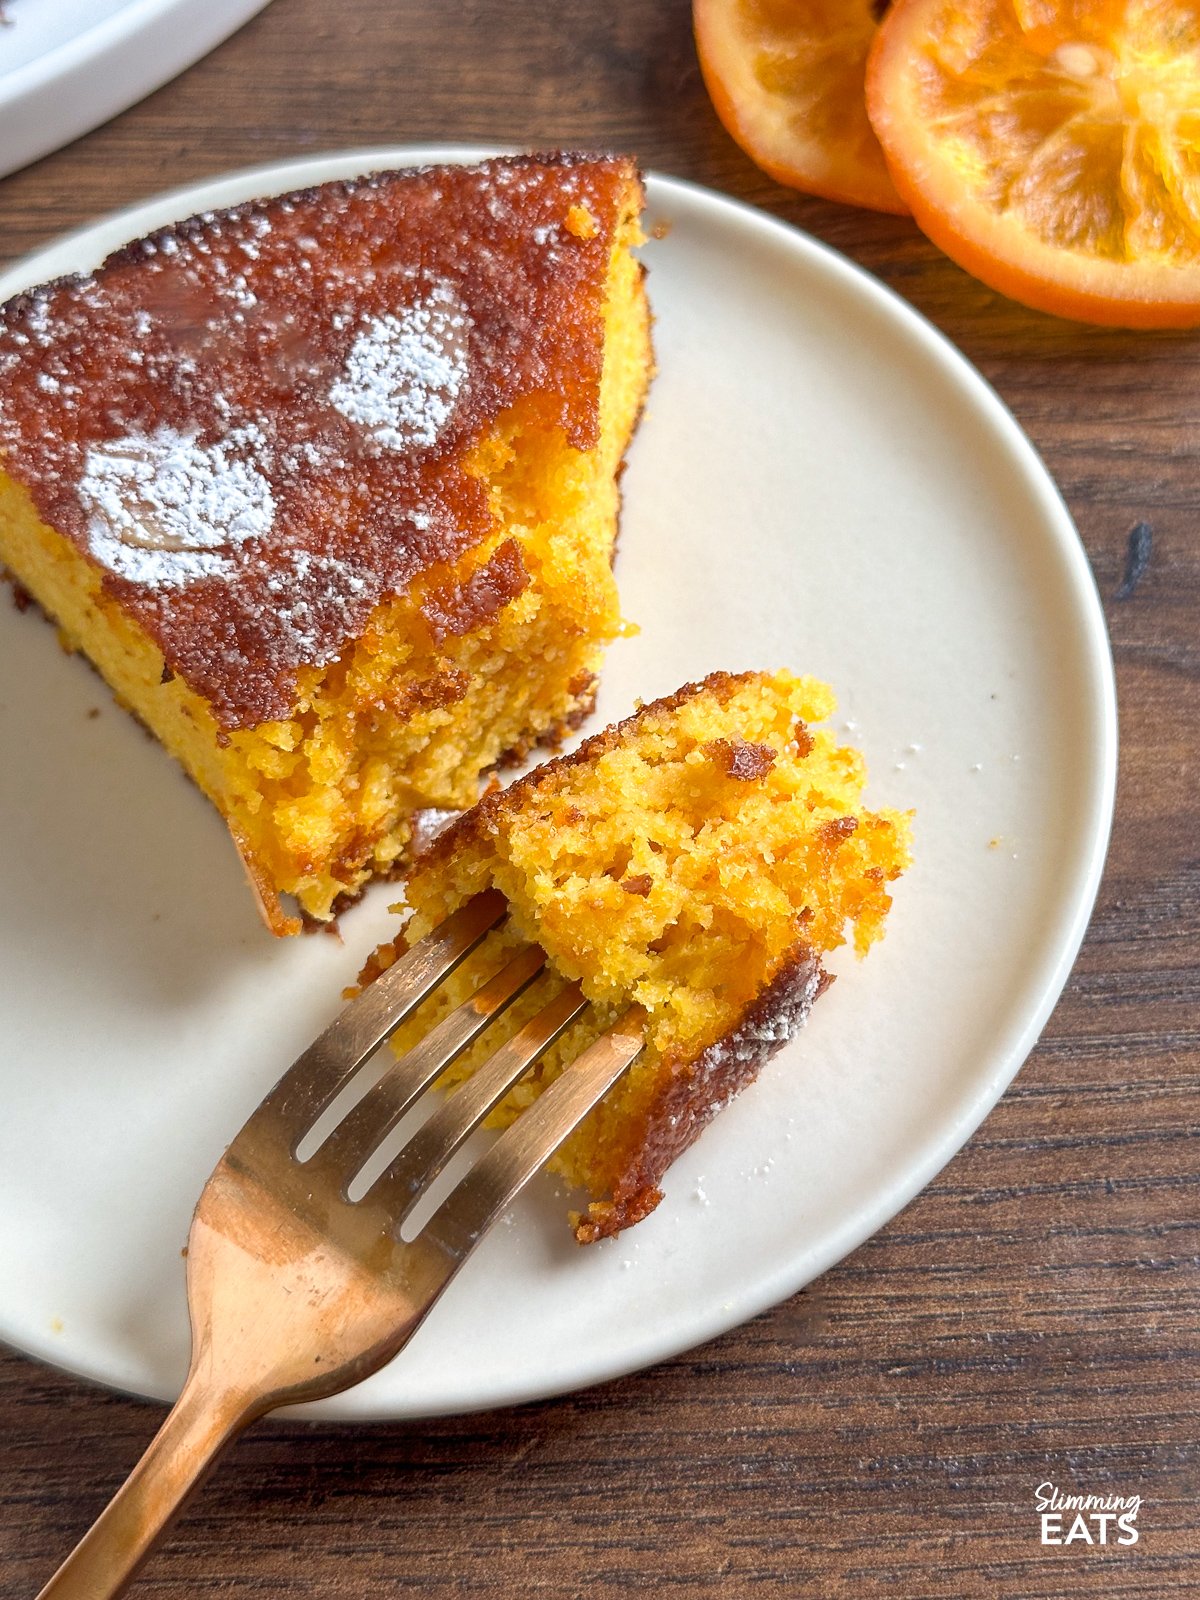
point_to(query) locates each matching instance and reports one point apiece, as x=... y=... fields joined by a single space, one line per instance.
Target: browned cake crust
x=234 y=376
x=691 y=1096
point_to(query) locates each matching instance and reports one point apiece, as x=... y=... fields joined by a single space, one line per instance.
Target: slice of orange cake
x=326 y=487
x=697 y=860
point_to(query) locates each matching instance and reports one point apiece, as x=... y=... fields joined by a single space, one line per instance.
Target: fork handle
x=109 y=1554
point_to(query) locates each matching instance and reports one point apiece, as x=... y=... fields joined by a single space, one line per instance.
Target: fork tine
x=364 y=1128
x=525 y=1147
x=320 y=1073
x=401 y=1185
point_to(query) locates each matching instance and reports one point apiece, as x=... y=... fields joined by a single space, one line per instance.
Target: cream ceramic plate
x=820 y=481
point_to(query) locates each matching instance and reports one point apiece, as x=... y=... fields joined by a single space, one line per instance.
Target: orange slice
x=1052 y=149
x=786 y=78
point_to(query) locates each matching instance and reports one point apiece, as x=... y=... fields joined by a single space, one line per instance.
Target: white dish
x=820 y=481
x=68 y=66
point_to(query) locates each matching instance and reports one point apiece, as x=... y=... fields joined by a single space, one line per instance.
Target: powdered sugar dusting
x=403 y=373
x=306 y=595
x=783 y=1010
x=164 y=510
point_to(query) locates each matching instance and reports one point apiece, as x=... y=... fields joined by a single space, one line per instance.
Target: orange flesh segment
x=787 y=81
x=1052 y=143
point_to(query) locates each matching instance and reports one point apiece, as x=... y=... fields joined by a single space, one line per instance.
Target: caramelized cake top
x=255 y=420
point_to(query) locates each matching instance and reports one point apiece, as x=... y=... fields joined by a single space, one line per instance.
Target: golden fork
x=294 y=1290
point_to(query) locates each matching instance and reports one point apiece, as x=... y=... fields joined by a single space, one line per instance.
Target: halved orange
x=786 y=79
x=1051 y=147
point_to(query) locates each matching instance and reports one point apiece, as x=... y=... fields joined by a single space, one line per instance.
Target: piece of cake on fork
x=698 y=860
x=326 y=487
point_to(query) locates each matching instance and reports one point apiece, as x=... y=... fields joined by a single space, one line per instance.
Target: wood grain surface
x=1035 y=1314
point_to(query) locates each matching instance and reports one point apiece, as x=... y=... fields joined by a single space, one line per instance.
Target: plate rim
x=1072 y=915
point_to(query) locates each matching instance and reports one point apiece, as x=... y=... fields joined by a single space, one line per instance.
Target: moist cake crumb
x=660 y=866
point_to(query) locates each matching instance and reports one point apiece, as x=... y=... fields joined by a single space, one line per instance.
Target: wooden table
x=1035 y=1314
